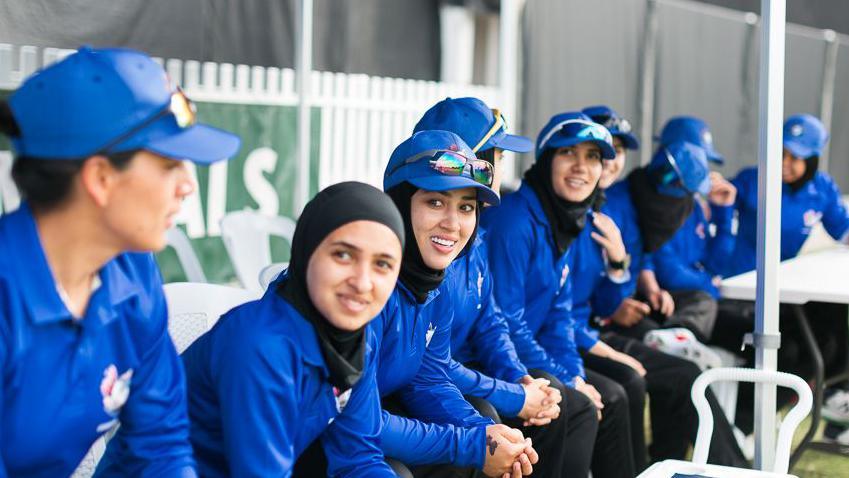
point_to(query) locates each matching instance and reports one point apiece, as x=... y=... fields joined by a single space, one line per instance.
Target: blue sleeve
x=4 y=337
x=507 y=398
x=720 y=247
x=835 y=218
x=557 y=336
x=509 y=257
x=417 y=443
x=585 y=338
x=153 y=439
x=491 y=339
x=647 y=263
x=352 y=442
x=673 y=273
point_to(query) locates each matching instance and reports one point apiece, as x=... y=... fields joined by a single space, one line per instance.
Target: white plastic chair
x=246 y=236
x=788 y=426
x=186 y=255
x=194 y=308
x=269 y=273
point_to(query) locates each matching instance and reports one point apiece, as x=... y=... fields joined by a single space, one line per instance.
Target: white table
x=669 y=468
x=821 y=276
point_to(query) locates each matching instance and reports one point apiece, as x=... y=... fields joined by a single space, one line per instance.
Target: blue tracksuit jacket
x=65 y=381
x=818 y=200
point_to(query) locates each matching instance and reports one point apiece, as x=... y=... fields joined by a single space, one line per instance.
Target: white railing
x=362 y=117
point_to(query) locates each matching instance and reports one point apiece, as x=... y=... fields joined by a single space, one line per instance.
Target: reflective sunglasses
x=610 y=122
x=673 y=176
x=180 y=107
x=499 y=124
x=578 y=128
x=452 y=163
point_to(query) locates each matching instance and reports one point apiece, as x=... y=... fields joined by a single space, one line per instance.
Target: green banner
x=261 y=177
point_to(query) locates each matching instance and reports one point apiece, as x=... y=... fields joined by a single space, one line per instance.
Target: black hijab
x=811 y=166
x=659 y=215
x=415 y=274
x=567 y=218
x=332 y=208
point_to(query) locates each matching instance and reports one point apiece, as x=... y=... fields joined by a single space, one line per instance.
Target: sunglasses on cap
x=673 y=176
x=578 y=128
x=500 y=124
x=180 y=107
x=621 y=125
x=452 y=163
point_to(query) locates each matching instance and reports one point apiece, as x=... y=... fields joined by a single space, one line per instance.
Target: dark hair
x=45 y=182
x=488 y=155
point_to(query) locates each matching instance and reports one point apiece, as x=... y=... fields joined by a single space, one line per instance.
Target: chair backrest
x=788 y=427
x=186 y=255
x=246 y=236
x=269 y=273
x=194 y=308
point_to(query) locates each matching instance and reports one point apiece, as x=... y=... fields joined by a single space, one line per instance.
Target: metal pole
x=508 y=74
x=829 y=76
x=647 y=76
x=771 y=107
x=303 y=66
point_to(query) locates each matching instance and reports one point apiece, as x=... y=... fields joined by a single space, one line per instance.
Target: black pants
x=614 y=454
x=565 y=446
x=635 y=389
x=674 y=420
x=313 y=463
x=829 y=326
x=695 y=310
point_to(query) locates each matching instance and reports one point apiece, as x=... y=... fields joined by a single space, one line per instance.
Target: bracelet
x=619 y=265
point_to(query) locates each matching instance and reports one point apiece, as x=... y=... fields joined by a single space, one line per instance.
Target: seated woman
x=299 y=363
x=438 y=185
x=84 y=345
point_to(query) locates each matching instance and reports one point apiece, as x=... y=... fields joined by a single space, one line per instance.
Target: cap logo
x=707 y=137
x=454 y=147
x=796 y=130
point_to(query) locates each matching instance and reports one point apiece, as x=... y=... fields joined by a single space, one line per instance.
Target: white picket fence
x=362 y=117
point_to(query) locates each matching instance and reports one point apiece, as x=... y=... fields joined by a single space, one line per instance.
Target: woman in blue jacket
x=438 y=185
x=299 y=364
x=529 y=238
x=84 y=345
x=480 y=335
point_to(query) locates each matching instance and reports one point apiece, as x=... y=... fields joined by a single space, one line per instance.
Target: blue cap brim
x=607 y=150
x=448 y=183
x=799 y=150
x=714 y=157
x=629 y=140
x=201 y=144
x=515 y=143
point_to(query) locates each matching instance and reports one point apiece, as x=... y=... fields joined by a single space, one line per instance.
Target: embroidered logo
x=700 y=230
x=115 y=391
x=796 y=130
x=707 y=138
x=429 y=334
x=811 y=217
x=564 y=275
x=341 y=398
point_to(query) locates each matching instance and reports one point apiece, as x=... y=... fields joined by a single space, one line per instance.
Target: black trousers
x=828 y=323
x=635 y=389
x=674 y=420
x=695 y=310
x=613 y=456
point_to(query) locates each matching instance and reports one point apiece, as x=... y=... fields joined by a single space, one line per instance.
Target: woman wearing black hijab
x=299 y=364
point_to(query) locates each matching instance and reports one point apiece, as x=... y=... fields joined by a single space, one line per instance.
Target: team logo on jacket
x=115 y=390
x=811 y=218
x=341 y=398
x=700 y=230
x=429 y=334
x=564 y=274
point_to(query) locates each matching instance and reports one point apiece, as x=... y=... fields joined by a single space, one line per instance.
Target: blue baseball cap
x=618 y=126
x=569 y=129
x=99 y=101
x=805 y=136
x=481 y=127
x=679 y=169
x=692 y=130
x=412 y=162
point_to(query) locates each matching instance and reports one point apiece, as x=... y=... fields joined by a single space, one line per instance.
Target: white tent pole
x=303 y=66
x=766 y=336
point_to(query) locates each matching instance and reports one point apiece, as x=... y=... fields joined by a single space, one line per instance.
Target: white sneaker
x=836 y=408
x=680 y=342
